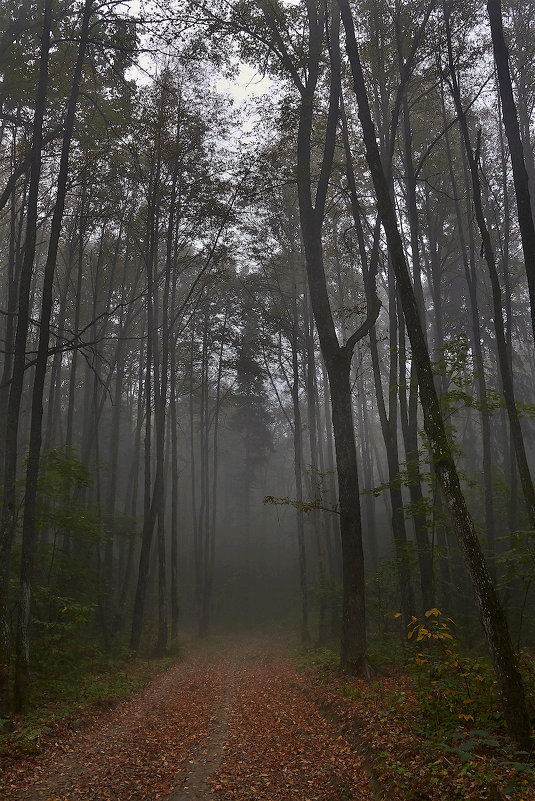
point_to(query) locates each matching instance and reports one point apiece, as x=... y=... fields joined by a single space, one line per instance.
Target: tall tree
x=9 y=510
x=493 y=619
x=22 y=664
x=524 y=204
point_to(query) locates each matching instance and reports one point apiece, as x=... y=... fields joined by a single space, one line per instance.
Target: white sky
x=248 y=85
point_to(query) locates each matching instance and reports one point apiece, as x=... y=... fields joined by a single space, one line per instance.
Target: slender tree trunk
x=69 y=431
x=468 y=257
x=54 y=392
x=13 y=275
x=298 y=463
x=315 y=483
x=492 y=616
x=204 y=499
x=22 y=664
x=505 y=367
x=367 y=470
x=133 y=500
x=337 y=358
x=9 y=506
x=409 y=412
x=331 y=469
x=151 y=494
x=516 y=150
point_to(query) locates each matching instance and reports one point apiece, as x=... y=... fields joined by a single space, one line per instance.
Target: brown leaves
x=281 y=747
x=135 y=751
x=381 y=722
x=240 y=723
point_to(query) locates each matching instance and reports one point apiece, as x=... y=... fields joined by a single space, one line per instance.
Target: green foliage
x=453 y=689
x=517 y=569
x=61 y=477
x=322 y=659
x=60 y=637
x=453 y=360
x=303 y=506
x=519 y=558
x=96 y=680
x=456 y=693
x=68 y=580
x=490 y=760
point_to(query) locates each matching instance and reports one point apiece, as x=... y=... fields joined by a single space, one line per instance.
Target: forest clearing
x=238 y=719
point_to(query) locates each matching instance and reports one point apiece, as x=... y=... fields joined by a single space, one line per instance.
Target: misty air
x=267 y=400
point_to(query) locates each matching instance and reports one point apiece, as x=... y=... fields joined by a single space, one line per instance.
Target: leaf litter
x=239 y=721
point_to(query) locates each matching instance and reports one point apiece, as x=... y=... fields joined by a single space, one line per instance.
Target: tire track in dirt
x=232 y=723
x=197 y=786
x=281 y=747
x=139 y=750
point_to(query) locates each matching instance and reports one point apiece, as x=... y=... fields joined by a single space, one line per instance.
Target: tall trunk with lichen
x=492 y=616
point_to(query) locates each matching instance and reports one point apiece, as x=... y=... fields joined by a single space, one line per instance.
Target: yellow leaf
x=397 y=614
x=434 y=611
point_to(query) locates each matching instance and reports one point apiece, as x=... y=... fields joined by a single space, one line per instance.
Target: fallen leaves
x=280 y=747
x=241 y=723
x=135 y=751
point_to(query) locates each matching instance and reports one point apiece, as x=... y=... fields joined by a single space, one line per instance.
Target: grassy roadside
x=72 y=695
x=410 y=726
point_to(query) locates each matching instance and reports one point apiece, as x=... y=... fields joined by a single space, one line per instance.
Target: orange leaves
x=281 y=745
x=240 y=726
x=134 y=751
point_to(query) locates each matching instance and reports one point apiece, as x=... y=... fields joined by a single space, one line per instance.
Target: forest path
x=232 y=721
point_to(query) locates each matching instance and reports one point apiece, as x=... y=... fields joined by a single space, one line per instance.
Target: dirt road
x=230 y=722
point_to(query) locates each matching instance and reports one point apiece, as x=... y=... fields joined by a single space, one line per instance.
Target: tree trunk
x=337 y=358
x=468 y=257
x=298 y=464
x=505 y=366
x=314 y=479
x=175 y=608
x=22 y=664
x=492 y=616
x=516 y=151
x=9 y=505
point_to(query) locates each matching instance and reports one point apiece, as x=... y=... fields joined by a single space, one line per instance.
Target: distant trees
x=316 y=136
x=134 y=234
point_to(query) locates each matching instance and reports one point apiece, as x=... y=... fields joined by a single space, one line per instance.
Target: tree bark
x=516 y=150
x=22 y=663
x=493 y=619
x=488 y=251
x=9 y=506
x=337 y=358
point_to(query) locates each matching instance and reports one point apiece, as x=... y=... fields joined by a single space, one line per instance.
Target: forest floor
x=239 y=720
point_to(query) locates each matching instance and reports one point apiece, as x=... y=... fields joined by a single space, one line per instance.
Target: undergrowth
x=65 y=689
x=430 y=723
